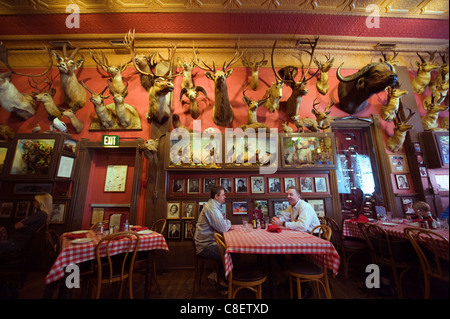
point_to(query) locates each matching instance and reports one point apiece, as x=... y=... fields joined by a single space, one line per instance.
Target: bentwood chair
x=118 y=268
x=425 y=244
x=303 y=270
x=239 y=278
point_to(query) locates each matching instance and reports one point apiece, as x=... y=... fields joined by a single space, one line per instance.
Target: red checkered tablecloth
x=260 y=241
x=78 y=253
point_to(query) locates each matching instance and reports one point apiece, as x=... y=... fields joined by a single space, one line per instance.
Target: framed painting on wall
x=58 y=215
x=116 y=178
x=240 y=208
x=6 y=209
x=398 y=163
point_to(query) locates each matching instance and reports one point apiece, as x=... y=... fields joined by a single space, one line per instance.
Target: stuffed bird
x=56 y=124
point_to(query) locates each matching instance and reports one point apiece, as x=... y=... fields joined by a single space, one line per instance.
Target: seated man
x=299 y=215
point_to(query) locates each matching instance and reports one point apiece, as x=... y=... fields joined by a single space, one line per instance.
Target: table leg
x=273 y=277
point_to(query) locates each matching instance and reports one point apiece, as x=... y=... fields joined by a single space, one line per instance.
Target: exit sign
x=110 y=140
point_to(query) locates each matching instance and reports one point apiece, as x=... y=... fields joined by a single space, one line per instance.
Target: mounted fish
x=429 y=121
x=322 y=82
x=115 y=71
x=127 y=116
x=106 y=117
x=74 y=93
x=395 y=142
x=192 y=94
x=389 y=111
x=45 y=95
x=252 y=119
x=254 y=66
x=423 y=77
x=275 y=92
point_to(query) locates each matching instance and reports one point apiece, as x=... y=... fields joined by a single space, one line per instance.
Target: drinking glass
x=443 y=222
x=245 y=224
x=388 y=216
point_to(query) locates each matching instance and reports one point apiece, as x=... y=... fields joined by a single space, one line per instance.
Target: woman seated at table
x=299 y=215
x=26 y=228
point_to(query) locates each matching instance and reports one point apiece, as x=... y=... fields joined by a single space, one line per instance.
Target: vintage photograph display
x=174 y=230
x=274 y=184
x=193 y=186
x=321 y=184
x=398 y=163
x=318 y=205
x=402 y=181
x=289 y=182
x=279 y=207
x=208 y=184
x=116 y=178
x=6 y=209
x=227 y=184
x=241 y=184
x=263 y=206
x=173 y=210
x=22 y=209
x=189 y=229
x=306 y=184
x=178 y=185
x=188 y=210
x=58 y=215
x=257 y=184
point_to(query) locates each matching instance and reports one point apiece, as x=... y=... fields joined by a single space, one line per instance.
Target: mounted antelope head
x=74 y=93
x=192 y=94
x=74 y=120
x=321 y=117
x=115 y=71
x=322 y=82
x=389 y=111
x=252 y=120
x=104 y=114
x=254 y=66
x=423 y=77
x=123 y=115
x=390 y=60
x=440 y=93
x=442 y=76
x=395 y=142
x=223 y=111
x=429 y=121
x=275 y=92
x=45 y=95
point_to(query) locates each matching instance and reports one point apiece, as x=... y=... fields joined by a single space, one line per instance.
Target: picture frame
x=6 y=209
x=98 y=215
x=193 y=186
x=174 y=230
x=321 y=184
x=178 y=185
x=59 y=212
x=279 y=207
x=423 y=171
x=241 y=185
x=407 y=204
x=402 y=181
x=70 y=146
x=116 y=178
x=189 y=229
x=420 y=160
x=306 y=184
x=417 y=147
x=289 y=182
x=208 y=184
x=227 y=184
x=188 y=210
x=240 y=208
x=274 y=184
x=398 y=163
x=200 y=207
x=318 y=205
x=66 y=167
x=263 y=206
x=173 y=210
x=436 y=148
x=32 y=188
x=4 y=152
x=22 y=209
x=442 y=182
x=257 y=184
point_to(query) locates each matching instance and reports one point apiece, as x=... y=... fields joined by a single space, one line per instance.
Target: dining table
x=79 y=246
x=240 y=240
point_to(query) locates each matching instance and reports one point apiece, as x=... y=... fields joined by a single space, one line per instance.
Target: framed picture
x=240 y=208
x=189 y=229
x=318 y=206
x=407 y=204
x=321 y=184
x=6 y=209
x=258 y=186
x=173 y=210
x=241 y=184
x=436 y=148
x=208 y=184
x=398 y=163
x=178 y=185
x=174 y=230
x=417 y=148
x=58 y=215
x=279 y=207
x=402 y=181
x=22 y=209
x=227 y=183
x=274 y=184
x=306 y=184
x=32 y=188
x=200 y=207
x=3 y=153
x=188 y=211
x=98 y=215
x=289 y=182
x=70 y=146
x=65 y=167
x=262 y=205
x=420 y=160
x=423 y=171
x=193 y=186
x=116 y=178
x=442 y=182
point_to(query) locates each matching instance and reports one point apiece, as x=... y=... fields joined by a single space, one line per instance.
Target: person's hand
x=276 y=221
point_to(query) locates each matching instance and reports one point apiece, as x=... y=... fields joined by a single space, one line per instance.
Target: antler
x=129 y=43
x=103 y=62
x=4 y=59
x=411 y=113
x=313 y=48
x=236 y=57
x=277 y=77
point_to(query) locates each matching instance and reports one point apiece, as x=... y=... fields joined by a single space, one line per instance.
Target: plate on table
x=80 y=232
x=389 y=224
x=81 y=240
x=145 y=232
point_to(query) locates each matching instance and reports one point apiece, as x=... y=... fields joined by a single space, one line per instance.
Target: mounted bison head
x=354 y=90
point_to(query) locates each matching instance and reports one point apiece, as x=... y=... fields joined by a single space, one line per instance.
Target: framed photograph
x=263 y=206
x=321 y=184
x=279 y=207
x=289 y=182
x=420 y=160
x=65 y=167
x=6 y=209
x=423 y=171
x=318 y=205
x=178 y=185
x=3 y=152
x=442 y=182
x=407 y=204
x=398 y=163
x=32 y=188
x=116 y=178
x=208 y=183
x=402 y=181
x=193 y=186
x=188 y=211
x=227 y=183
x=200 y=207
x=70 y=146
x=189 y=229
x=173 y=210
x=306 y=184
x=33 y=157
x=274 y=184
x=174 y=230
x=258 y=186
x=240 y=208
x=436 y=148
x=417 y=148
x=98 y=215
x=22 y=209
x=241 y=184
x=58 y=215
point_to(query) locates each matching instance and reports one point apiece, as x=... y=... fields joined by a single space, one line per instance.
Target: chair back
x=336 y=232
x=53 y=246
x=323 y=231
x=220 y=241
x=159 y=226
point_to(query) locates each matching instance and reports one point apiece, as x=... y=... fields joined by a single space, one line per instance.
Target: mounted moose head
x=115 y=71
x=322 y=82
x=423 y=77
x=192 y=94
x=254 y=66
x=395 y=142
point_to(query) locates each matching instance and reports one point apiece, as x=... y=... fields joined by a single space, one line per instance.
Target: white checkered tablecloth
x=78 y=253
x=260 y=241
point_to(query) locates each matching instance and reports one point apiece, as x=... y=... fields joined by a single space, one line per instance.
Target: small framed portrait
x=318 y=206
x=417 y=148
x=208 y=184
x=188 y=211
x=116 y=178
x=402 y=181
x=193 y=186
x=174 y=230
x=398 y=163
x=6 y=209
x=420 y=160
x=58 y=215
x=240 y=208
x=408 y=205
x=189 y=229
x=306 y=184
x=173 y=210
x=241 y=184
x=262 y=205
x=178 y=185
x=423 y=171
x=227 y=184
x=22 y=209
x=289 y=182
x=321 y=184
x=257 y=184
x=70 y=146
x=274 y=184
x=279 y=207
x=200 y=207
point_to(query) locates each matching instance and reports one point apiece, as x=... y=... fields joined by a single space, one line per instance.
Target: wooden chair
x=240 y=278
x=53 y=246
x=347 y=247
x=393 y=253
x=304 y=270
x=431 y=264
x=116 y=268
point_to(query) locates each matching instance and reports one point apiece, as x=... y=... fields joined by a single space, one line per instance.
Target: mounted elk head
x=322 y=82
x=275 y=92
x=423 y=77
x=254 y=66
x=74 y=93
x=223 y=111
x=389 y=112
x=322 y=117
x=395 y=142
x=429 y=121
x=192 y=94
x=145 y=63
x=115 y=71
x=104 y=114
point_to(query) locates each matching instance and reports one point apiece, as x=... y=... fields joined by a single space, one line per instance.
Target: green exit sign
x=110 y=140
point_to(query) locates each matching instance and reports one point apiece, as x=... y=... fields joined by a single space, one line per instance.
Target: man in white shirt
x=299 y=215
